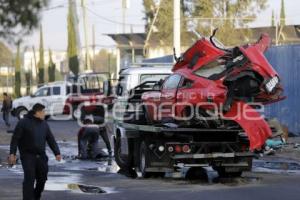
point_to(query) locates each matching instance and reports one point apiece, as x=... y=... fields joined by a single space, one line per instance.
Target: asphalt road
x=273 y=178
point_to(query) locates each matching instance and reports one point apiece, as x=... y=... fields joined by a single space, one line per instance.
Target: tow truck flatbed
x=160 y=129
x=161 y=148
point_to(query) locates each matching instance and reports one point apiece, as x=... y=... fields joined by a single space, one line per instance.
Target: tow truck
x=153 y=142
x=162 y=148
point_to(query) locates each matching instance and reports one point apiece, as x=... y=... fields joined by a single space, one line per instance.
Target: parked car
x=52 y=95
x=67 y=97
x=231 y=79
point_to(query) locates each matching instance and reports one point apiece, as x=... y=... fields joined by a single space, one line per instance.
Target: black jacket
x=31 y=135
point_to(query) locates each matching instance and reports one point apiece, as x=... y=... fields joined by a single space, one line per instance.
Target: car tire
x=76 y=113
x=21 y=112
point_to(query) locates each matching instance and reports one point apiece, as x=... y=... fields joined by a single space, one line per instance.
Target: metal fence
x=286 y=61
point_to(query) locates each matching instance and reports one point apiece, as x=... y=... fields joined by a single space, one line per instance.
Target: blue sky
x=54 y=21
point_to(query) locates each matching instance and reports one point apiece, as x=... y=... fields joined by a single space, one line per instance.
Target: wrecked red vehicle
x=214 y=87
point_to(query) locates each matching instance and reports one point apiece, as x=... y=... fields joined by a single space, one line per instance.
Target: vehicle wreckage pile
x=218 y=87
x=206 y=113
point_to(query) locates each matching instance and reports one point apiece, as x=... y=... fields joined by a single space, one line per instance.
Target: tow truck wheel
x=120 y=159
x=144 y=160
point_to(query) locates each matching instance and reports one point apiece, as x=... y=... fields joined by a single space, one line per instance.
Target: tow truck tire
x=121 y=160
x=20 y=112
x=144 y=161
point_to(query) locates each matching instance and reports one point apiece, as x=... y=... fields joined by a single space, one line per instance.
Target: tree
x=230 y=16
x=28 y=80
x=72 y=43
x=273 y=19
x=6 y=56
x=18 y=18
x=205 y=15
x=164 y=22
x=105 y=61
x=51 y=68
x=18 y=72
x=282 y=14
x=41 y=63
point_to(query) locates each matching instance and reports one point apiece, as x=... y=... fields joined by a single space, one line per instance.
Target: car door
x=168 y=97
x=57 y=100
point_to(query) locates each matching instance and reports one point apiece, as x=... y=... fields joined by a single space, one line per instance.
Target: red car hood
x=201 y=49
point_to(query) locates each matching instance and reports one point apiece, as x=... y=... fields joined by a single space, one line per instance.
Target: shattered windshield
x=211 y=68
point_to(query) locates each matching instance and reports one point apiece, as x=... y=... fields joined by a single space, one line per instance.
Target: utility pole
x=86 y=41
x=125 y=6
x=176 y=27
x=76 y=25
x=94 y=46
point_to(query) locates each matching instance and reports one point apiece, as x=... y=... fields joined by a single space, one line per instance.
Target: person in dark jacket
x=88 y=139
x=30 y=137
x=6 y=107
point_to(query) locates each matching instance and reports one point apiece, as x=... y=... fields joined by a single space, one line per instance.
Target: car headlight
x=271 y=84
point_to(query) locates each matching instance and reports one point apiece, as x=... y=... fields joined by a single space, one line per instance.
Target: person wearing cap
x=88 y=139
x=30 y=137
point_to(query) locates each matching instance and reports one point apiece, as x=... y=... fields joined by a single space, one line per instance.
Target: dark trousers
x=6 y=117
x=88 y=145
x=35 y=175
x=105 y=138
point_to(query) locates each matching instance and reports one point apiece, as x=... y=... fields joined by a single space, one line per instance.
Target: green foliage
x=282 y=14
x=19 y=17
x=164 y=22
x=41 y=63
x=6 y=56
x=72 y=43
x=28 y=82
x=51 y=68
x=18 y=73
x=149 y=12
x=105 y=61
x=273 y=19
x=227 y=15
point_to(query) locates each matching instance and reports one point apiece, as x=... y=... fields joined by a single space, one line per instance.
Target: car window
x=56 y=90
x=172 y=82
x=42 y=92
x=72 y=89
x=214 y=67
x=152 y=77
x=186 y=83
x=92 y=83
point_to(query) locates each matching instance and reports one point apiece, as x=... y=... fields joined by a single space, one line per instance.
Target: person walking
x=6 y=108
x=30 y=137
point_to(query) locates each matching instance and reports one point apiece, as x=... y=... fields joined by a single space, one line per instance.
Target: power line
x=109 y=20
